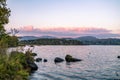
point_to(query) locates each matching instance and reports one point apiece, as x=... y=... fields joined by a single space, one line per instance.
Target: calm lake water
x=99 y=63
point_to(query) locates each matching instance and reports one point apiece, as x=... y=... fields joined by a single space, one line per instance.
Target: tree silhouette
x=14 y=31
x=4 y=17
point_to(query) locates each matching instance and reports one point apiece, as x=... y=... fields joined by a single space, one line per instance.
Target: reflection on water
x=99 y=63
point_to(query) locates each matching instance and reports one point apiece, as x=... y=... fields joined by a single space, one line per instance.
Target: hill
x=22 y=38
x=86 y=38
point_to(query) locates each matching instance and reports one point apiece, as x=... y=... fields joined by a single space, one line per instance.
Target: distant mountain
x=27 y=38
x=48 y=37
x=86 y=38
x=33 y=37
x=90 y=40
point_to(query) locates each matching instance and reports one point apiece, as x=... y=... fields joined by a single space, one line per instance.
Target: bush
x=13 y=67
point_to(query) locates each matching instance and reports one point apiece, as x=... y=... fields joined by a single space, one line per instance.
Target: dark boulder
x=118 y=57
x=33 y=54
x=45 y=60
x=69 y=58
x=38 y=59
x=32 y=65
x=57 y=60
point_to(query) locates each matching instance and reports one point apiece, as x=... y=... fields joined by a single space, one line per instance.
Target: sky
x=65 y=18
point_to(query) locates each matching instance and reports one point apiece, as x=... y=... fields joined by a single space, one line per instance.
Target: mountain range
x=83 y=38
x=34 y=37
x=86 y=40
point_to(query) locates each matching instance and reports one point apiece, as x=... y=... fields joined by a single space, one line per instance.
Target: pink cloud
x=66 y=32
x=63 y=29
x=27 y=28
x=79 y=30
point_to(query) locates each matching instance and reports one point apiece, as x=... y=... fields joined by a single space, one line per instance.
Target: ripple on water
x=101 y=64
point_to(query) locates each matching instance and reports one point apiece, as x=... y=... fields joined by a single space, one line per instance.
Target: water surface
x=99 y=63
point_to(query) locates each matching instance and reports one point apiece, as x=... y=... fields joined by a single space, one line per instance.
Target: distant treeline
x=52 y=42
x=102 y=42
x=71 y=42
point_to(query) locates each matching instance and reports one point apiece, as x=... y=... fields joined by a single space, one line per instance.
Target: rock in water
x=32 y=65
x=118 y=57
x=45 y=60
x=38 y=59
x=57 y=60
x=69 y=58
x=75 y=60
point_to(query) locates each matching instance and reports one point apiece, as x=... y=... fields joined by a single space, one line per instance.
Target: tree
x=13 y=41
x=14 y=32
x=4 y=17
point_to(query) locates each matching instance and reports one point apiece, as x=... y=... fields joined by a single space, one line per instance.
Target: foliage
x=4 y=17
x=13 y=41
x=3 y=44
x=13 y=67
x=29 y=56
x=8 y=41
x=5 y=39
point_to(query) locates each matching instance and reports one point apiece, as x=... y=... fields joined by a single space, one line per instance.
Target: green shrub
x=12 y=67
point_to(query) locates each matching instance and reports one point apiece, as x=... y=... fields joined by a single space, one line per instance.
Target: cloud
x=26 y=28
x=81 y=30
x=67 y=32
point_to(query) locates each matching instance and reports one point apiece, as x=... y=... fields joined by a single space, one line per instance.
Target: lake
x=99 y=63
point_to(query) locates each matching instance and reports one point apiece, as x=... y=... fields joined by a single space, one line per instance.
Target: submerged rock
x=57 y=60
x=45 y=60
x=69 y=58
x=38 y=59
